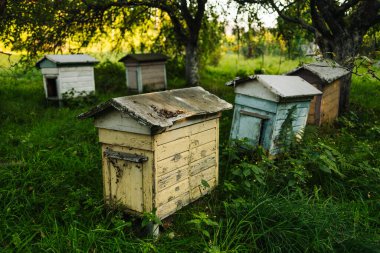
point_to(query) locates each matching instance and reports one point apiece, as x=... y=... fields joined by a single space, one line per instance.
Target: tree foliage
x=338 y=27
x=45 y=26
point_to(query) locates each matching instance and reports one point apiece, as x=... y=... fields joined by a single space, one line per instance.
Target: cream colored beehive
x=159 y=148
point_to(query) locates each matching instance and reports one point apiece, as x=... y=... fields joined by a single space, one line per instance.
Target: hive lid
x=163 y=109
x=327 y=71
x=68 y=59
x=283 y=86
x=144 y=57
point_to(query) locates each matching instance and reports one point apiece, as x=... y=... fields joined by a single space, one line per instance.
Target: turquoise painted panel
x=255 y=128
x=267 y=125
x=47 y=64
x=298 y=124
x=250 y=128
x=256 y=103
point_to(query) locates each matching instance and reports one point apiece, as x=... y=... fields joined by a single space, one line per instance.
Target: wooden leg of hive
x=153 y=230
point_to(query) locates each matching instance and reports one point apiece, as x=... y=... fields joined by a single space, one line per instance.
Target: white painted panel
x=49 y=71
x=256 y=89
x=117 y=121
x=75 y=69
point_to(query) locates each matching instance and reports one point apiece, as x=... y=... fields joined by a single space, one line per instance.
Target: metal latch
x=125 y=156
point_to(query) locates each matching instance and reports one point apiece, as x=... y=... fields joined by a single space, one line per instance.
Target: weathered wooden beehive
x=264 y=102
x=67 y=73
x=327 y=77
x=158 y=148
x=145 y=72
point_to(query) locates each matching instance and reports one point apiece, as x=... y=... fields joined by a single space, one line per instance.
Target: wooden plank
x=206 y=175
x=202 y=164
x=133 y=140
x=256 y=89
x=178 y=133
x=172 y=178
x=148 y=184
x=106 y=178
x=202 y=138
x=76 y=69
x=49 y=71
x=172 y=206
x=257 y=103
x=172 y=148
x=202 y=151
x=172 y=192
x=217 y=153
x=200 y=191
x=115 y=120
x=172 y=163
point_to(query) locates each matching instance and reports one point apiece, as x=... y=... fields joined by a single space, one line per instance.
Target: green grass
x=51 y=185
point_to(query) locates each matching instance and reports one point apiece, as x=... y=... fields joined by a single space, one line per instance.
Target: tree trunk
x=343 y=50
x=191 y=61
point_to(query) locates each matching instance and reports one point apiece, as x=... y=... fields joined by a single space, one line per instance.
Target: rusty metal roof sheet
x=144 y=57
x=68 y=59
x=163 y=109
x=327 y=71
x=283 y=86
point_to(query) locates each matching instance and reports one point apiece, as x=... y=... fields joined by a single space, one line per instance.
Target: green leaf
x=205 y=183
x=206 y=233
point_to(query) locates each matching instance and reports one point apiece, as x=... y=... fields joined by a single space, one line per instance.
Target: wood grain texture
x=126 y=139
x=135 y=187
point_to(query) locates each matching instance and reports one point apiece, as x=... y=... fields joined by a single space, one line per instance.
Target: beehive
x=67 y=74
x=160 y=150
x=264 y=102
x=145 y=72
x=327 y=77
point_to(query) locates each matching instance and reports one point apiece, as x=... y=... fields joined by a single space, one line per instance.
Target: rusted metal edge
x=125 y=156
x=239 y=80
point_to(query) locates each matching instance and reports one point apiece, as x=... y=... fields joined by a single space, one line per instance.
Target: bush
x=110 y=77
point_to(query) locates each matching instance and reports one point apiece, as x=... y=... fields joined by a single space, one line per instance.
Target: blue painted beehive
x=264 y=102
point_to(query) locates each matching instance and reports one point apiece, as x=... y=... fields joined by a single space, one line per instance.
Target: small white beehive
x=160 y=150
x=67 y=74
x=145 y=72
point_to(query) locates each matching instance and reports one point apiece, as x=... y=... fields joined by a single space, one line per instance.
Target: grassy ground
x=321 y=196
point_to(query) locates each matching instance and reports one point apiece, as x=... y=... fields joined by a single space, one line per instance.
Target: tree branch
x=345 y=6
x=298 y=21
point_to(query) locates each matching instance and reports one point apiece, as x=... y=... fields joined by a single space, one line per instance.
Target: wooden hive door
x=125 y=179
x=251 y=126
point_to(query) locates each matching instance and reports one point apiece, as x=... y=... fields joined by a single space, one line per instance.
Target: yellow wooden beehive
x=159 y=148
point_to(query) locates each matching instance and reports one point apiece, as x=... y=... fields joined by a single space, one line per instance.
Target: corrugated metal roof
x=327 y=71
x=162 y=109
x=144 y=57
x=68 y=59
x=283 y=86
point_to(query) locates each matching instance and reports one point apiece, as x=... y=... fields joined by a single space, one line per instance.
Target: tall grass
x=51 y=185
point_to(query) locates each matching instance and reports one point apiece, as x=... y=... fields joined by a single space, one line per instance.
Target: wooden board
x=118 y=121
x=126 y=139
x=172 y=192
x=172 y=206
x=172 y=163
x=330 y=102
x=172 y=148
x=184 y=157
x=178 y=133
x=135 y=187
x=172 y=178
